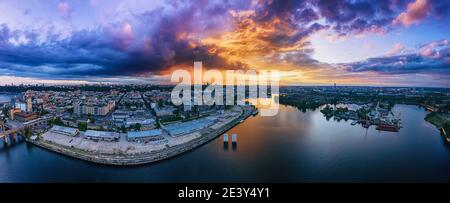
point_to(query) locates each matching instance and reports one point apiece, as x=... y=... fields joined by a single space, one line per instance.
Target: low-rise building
x=25 y=116
x=143 y=122
x=64 y=130
x=164 y=112
x=101 y=135
x=183 y=128
x=13 y=112
x=145 y=136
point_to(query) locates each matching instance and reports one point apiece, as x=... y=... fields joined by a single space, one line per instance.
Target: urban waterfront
x=290 y=147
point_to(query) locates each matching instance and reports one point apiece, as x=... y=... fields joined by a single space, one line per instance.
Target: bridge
x=19 y=128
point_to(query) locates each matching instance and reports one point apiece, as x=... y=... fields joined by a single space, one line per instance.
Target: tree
x=91 y=118
x=158 y=125
x=137 y=126
x=56 y=121
x=82 y=126
x=5 y=112
x=28 y=132
x=123 y=129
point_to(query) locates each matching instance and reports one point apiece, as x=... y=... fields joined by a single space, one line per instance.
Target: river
x=290 y=147
x=7 y=97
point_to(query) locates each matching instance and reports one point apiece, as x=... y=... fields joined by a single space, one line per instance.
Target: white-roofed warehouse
x=145 y=136
x=64 y=130
x=101 y=135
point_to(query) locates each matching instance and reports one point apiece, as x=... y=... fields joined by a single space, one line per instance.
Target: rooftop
x=190 y=126
x=147 y=133
x=64 y=130
x=100 y=134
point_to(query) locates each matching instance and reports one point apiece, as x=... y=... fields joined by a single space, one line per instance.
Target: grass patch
x=438 y=121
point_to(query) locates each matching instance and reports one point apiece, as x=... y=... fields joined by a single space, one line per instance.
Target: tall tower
x=29 y=104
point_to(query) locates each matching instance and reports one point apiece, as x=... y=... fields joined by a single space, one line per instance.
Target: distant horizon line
x=296 y=85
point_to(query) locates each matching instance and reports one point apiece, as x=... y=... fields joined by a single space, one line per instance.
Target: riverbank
x=443 y=124
x=142 y=158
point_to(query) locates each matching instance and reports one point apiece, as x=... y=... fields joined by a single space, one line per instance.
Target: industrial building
x=64 y=131
x=183 y=128
x=143 y=122
x=25 y=116
x=145 y=136
x=101 y=135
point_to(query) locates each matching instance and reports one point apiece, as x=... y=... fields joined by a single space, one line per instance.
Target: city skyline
x=375 y=43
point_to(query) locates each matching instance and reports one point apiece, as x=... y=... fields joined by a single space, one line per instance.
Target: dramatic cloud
x=433 y=58
x=77 y=39
x=415 y=12
x=115 y=48
x=437 y=49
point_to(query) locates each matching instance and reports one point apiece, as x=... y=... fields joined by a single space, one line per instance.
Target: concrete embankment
x=143 y=158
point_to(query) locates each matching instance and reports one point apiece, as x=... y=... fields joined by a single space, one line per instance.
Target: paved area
x=130 y=148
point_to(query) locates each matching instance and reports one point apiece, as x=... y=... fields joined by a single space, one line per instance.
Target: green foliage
x=171 y=119
x=123 y=129
x=56 y=121
x=137 y=127
x=362 y=113
x=160 y=103
x=28 y=132
x=82 y=126
x=327 y=111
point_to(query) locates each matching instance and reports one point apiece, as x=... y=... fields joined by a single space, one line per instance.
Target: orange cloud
x=414 y=13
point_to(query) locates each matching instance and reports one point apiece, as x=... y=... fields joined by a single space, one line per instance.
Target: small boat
x=388 y=127
x=354 y=122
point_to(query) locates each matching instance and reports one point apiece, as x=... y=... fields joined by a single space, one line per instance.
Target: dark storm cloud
x=128 y=49
x=157 y=40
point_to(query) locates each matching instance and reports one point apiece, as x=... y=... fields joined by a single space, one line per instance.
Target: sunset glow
x=380 y=43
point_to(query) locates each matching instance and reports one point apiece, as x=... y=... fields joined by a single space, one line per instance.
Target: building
x=29 y=104
x=142 y=121
x=94 y=109
x=25 y=116
x=20 y=105
x=145 y=136
x=164 y=112
x=13 y=112
x=187 y=107
x=183 y=128
x=120 y=115
x=101 y=135
x=64 y=131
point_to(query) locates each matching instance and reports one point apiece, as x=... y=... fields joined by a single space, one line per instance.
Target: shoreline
x=144 y=158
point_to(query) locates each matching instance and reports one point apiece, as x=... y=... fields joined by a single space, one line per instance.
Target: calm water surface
x=7 y=97
x=290 y=147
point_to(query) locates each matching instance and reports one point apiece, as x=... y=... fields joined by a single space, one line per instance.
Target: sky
x=311 y=42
